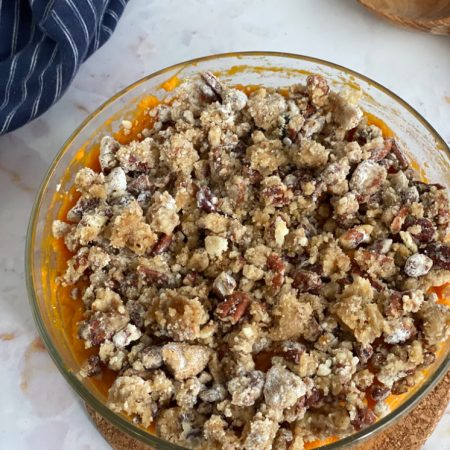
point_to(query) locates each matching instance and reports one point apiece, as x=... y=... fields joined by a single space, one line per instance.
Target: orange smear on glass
x=320 y=442
x=374 y=120
x=171 y=83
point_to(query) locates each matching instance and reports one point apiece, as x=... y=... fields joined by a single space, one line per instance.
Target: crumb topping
x=257 y=267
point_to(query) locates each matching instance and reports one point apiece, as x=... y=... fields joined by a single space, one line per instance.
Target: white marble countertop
x=37 y=408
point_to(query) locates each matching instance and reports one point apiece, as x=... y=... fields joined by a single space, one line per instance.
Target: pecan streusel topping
x=256 y=269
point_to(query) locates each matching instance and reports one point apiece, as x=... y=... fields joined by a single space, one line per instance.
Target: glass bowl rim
x=81 y=390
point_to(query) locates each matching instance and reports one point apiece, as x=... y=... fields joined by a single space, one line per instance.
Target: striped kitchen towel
x=42 y=45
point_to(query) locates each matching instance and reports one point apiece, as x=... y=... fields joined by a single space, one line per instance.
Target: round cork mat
x=410 y=432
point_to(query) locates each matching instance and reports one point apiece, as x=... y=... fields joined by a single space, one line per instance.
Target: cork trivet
x=410 y=432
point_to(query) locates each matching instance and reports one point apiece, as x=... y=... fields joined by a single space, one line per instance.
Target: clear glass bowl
x=424 y=146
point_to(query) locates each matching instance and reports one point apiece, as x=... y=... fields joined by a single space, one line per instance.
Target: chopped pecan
x=276 y=265
x=426 y=187
x=137 y=312
x=398 y=221
x=421 y=229
x=275 y=195
x=378 y=153
x=377 y=361
x=394 y=305
x=163 y=244
x=418 y=265
x=234 y=307
x=290 y=351
x=379 y=392
x=377 y=284
x=317 y=88
x=428 y=359
x=136 y=165
x=403 y=385
x=308 y=111
x=213 y=83
x=367 y=178
x=355 y=236
x=440 y=254
x=152 y=276
x=224 y=285
x=93 y=367
x=83 y=205
x=140 y=184
x=363 y=352
x=191 y=278
x=350 y=134
x=206 y=200
x=364 y=417
x=306 y=281
x=94 y=331
x=382 y=246
x=314 y=397
x=401 y=158
x=253 y=175
x=376 y=265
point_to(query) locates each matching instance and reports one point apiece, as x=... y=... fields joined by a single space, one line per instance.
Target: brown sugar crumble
x=257 y=269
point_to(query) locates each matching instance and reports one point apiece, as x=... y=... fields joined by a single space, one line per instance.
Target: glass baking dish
x=425 y=147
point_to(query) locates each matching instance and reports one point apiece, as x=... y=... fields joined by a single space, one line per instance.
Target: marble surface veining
x=38 y=410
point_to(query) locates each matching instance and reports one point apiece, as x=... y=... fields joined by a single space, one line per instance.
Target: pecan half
x=234 y=307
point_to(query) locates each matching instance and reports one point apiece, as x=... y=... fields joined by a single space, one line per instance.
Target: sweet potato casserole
x=257 y=268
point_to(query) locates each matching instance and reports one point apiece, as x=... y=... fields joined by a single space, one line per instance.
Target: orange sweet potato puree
x=71 y=311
